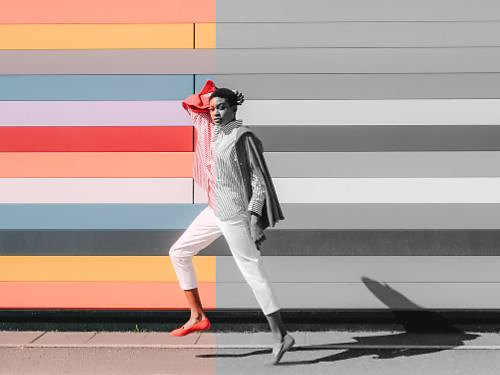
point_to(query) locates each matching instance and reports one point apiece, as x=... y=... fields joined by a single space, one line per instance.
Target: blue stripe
x=96 y=87
x=200 y=79
x=98 y=216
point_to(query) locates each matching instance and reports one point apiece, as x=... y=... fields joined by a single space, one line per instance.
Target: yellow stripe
x=95 y=36
x=206 y=35
x=99 y=268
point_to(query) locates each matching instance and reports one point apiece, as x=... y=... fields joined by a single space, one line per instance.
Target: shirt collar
x=229 y=127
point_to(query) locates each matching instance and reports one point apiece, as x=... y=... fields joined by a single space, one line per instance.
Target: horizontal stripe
x=390 y=216
x=354 y=60
x=357 y=10
x=97 y=216
x=357 y=34
x=294 y=242
x=384 y=164
x=387 y=269
x=398 y=296
x=169 y=113
x=297 y=216
x=99 y=268
x=95 y=138
x=111 y=61
x=379 y=243
x=281 y=164
x=99 y=295
x=365 y=138
x=96 y=87
x=96 y=164
x=205 y=35
x=109 y=113
x=96 y=190
x=372 y=112
x=91 y=36
x=388 y=190
x=254 y=61
x=360 y=86
x=110 y=11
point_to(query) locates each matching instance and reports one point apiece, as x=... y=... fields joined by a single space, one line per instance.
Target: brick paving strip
x=330 y=339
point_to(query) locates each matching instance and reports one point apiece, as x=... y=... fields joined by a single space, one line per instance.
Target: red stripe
x=96 y=138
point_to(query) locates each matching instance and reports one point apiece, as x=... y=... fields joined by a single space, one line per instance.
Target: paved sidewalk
x=340 y=352
x=335 y=339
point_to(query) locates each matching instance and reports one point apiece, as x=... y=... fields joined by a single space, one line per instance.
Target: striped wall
x=380 y=123
x=81 y=153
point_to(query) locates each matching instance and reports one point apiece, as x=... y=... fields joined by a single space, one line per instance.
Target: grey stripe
x=282 y=269
x=384 y=164
x=359 y=296
x=390 y=216
x=359 y=60
x=89 y=242
x=236 y=61
x=360 y=86
x=279 y=242
x=116 y=61
x=355 y=10
x=358 y=34
x=379 y=138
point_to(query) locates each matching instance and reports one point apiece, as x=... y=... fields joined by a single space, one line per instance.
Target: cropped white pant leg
x=205 y=229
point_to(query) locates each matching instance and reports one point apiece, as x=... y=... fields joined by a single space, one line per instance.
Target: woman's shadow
x=424 y=332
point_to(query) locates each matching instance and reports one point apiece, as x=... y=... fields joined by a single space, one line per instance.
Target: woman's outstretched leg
x=200 y=233
x=198 y=321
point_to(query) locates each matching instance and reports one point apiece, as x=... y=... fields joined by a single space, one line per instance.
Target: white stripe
x=388 y=190
x=372 y=112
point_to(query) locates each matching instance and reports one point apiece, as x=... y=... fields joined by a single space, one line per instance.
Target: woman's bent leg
x=237 y=234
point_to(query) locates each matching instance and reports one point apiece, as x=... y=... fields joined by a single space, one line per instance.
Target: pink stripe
x=133 y=113
x=96 y=190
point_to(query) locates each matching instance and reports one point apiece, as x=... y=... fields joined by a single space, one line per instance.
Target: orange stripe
x=96 y=164
x=91 y=36
x=99 y=268
x=99 y=295
x=205 y=35
x=109 y=11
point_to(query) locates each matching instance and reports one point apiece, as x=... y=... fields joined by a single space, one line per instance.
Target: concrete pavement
x=338 y=352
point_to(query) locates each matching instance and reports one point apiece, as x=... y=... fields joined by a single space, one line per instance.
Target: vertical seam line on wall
x=193 y=132
x=194 y=91
x=194 y=35
x=192 y=137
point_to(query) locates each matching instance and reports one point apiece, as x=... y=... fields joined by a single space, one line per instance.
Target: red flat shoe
x=202 y=325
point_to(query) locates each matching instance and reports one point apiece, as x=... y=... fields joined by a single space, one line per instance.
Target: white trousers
x=204 y=230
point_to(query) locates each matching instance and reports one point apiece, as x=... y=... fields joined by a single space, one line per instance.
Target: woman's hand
x=255 y=230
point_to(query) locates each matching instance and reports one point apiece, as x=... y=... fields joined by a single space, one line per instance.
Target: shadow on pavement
x=427 y=330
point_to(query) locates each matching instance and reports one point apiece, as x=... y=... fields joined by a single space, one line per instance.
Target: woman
x=242 y=202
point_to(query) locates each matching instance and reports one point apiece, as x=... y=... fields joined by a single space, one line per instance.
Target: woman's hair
x=229 y=95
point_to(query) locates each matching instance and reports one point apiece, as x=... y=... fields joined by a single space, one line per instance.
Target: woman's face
x=220 y=111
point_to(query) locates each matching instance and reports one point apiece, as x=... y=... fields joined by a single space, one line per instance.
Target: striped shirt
x=229 y=190
x=217 y=171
